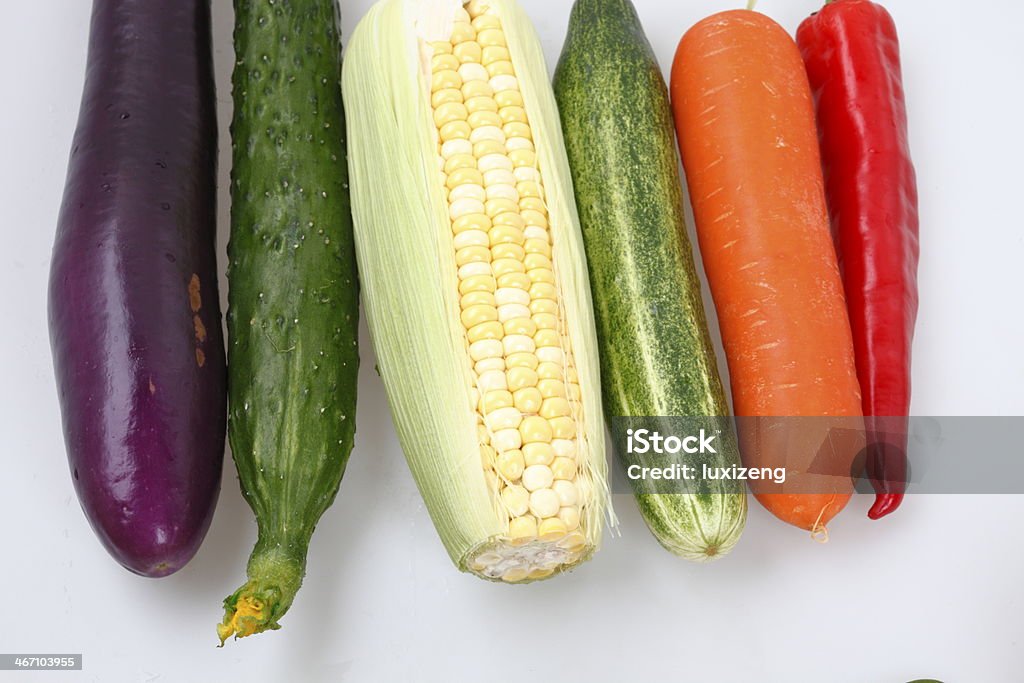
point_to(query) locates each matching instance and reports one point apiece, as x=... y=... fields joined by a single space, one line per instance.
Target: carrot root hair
x=819 y=532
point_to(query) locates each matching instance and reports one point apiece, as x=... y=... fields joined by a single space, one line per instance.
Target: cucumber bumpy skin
x=656 y=353
x=293 y=298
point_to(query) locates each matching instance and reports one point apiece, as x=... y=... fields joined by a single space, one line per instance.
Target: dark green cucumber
x=293 y=297
x=656 y=354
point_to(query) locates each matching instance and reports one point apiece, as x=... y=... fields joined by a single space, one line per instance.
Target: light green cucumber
x=656 y=354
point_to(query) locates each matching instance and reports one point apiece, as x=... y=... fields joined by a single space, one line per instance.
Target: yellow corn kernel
x=537 y=477
x=523 y=326
x=487 y=349
x=505 y=266
x=516 y=499
x=513 y=144
x=488 y=330
x=543 y=291
x=479 y=119
x=484 y=21
x=511 y=251
x=563 y=468
x=443 y=62
x=459 y=161
x=517 y=280
x=502 y=68
x=444 y=80
x=536 y=428
x=566 y=491
x=528 y=399
x=469 y=51
x=496 y=400
x=485 y=147
x=532 y=246
x=477 y=283
x=521 y=378
x=547 y=338
x=544 y=503
x=554 y=407
x=562 y=427
x=544 y=321
x=477 y=299
x=503 y=418
x=511 y=220
x=509 y=98
x=552 y=529
x=462 y=31
x=506 y=440
x=446 y=96
x=551 y=388
x=538 y=453
x=535 y=218
x=510 y=115
x=455 y=130
x=472 y=72
x=517 y=130
x=564 y=448
x=474 y=315
x=488 y=365
x=494 y=53
x=570 y=516
x=473 y=255
x=491 y=37
x=549 y=371
x=522 y=529
x=475 y=221
x=481 y=103
x=497 y=206
x=532 y=204
x=525 y=359
x=464 y=176
x=478 y=90
x=511 y=465
x=542 y=275
x=506 y=234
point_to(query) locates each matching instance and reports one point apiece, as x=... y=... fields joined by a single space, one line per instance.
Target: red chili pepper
x=852 y=56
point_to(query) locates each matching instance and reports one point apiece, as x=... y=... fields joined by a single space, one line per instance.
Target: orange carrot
x=745 y=120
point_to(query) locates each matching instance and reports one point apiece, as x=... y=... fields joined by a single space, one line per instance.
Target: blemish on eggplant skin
x=152 y=387
x=195 y=299
x=200 y=328
x=200 y=358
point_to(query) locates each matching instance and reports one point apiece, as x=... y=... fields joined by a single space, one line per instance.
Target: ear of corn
x=474 y=281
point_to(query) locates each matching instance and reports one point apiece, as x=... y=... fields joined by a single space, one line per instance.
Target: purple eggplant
x=134 y=312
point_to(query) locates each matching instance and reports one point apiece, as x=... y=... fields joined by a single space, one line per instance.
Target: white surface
x=933 y=591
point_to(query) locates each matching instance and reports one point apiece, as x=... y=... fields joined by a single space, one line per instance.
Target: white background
x=933 y=591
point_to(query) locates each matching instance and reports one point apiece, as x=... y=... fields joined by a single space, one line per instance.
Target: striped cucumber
x=293 y=297
x=656 y=355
